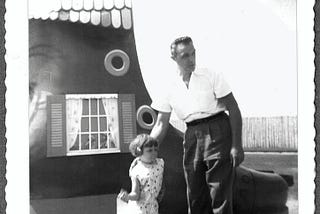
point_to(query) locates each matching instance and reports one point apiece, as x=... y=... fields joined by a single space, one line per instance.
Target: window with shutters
x=82 y=124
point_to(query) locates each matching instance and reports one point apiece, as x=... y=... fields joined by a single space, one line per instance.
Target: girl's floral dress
x=150 y=179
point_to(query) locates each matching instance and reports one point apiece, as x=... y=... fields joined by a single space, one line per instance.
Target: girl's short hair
x=140 y=142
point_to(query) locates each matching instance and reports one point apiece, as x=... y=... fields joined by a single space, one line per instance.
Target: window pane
x=103 y=124
x=84 y=142
x=103 y=141
x=101 y=108
x=94 y=124
x=94 y=110
x=94 y=141
x=75 y=146
x=84 y=124
x=85 y=107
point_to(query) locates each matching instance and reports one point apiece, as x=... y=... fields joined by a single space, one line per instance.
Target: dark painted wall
x=69 y=58
x=74 y=55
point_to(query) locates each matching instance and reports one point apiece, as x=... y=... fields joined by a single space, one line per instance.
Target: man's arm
x=236 y=152
x=161 y=126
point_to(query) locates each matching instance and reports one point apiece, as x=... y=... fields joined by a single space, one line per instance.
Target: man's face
x=186 y=57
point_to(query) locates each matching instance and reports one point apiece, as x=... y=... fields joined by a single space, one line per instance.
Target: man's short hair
x=181 y=40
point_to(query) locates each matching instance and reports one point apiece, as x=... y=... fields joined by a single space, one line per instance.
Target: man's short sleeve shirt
x=199 y=100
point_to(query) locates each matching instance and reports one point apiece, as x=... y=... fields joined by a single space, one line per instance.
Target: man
x=212 y=142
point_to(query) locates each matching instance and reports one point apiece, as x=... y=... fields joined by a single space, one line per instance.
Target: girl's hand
x=123 y=195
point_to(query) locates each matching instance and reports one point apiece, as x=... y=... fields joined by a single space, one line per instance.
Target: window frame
x=99 y=150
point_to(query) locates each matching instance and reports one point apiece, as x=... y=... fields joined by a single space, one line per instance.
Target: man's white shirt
x=197 y=101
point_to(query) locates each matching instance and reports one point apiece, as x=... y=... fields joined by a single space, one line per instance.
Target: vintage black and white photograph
x=163 y=107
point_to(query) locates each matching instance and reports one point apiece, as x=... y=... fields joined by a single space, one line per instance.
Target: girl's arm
x=134 y=195
x=163 y=186
x=161 y=193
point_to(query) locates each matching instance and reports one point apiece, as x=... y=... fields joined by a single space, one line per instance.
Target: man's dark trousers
x=207 y=165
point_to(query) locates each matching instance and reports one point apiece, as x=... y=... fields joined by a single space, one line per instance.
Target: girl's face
x=150 y=153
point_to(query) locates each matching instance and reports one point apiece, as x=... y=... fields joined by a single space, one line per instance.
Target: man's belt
x=206 y=119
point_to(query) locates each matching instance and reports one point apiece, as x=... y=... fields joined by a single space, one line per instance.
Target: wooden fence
x=265 y=134
x=270 y=133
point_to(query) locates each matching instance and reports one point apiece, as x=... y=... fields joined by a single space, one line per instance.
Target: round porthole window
x=117 y=62
x=146 y=117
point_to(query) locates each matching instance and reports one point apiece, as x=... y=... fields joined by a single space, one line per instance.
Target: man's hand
x=236 y=155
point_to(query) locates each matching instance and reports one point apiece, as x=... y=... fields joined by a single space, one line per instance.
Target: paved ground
x=282 y=163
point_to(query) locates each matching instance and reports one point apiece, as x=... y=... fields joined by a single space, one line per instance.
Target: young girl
x=146 y=174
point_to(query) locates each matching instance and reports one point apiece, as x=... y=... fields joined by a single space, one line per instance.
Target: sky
x=252 y=42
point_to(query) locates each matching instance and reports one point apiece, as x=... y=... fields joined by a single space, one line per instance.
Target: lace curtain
x=111 y=108
x=74 y=112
